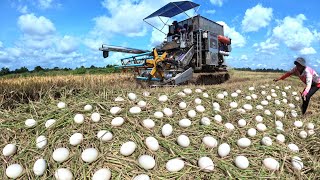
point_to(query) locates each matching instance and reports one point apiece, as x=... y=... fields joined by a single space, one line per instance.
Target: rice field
x=38 y=98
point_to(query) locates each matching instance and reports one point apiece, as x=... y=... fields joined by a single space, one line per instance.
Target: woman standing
x=306 y=75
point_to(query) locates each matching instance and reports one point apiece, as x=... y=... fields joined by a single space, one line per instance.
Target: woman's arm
x=287 y=74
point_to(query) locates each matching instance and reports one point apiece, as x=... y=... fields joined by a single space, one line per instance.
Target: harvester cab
x=193 y=51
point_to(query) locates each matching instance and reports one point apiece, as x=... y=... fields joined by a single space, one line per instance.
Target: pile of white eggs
x=192 y=111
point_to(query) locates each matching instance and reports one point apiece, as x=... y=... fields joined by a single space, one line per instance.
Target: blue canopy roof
x=173 y=8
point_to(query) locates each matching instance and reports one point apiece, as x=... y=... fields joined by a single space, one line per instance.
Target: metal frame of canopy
x=170 y=10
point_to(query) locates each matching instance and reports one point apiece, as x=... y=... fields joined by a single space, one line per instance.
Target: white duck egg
x=225 y=93
x=269 y=97
x=146 y=93
x=182 y=105
x=294 y=93
x=198 y=90
x=303 y=134
x=280 y=114
x=261 y=127
x=259 y=118
x=248 y=97
x=216 y=106
x=251 y=88
x=298 y=124
x=271 y=164
x=132 y=96
x=41 y=142
x=277 y=102
x=291 y=105
x=141 y=177
x=63 y=174
x=118 y=99
x=181 y=94
x=242 y=123
x=252 y=132
x=267 y=141
x=272 y=90
x=205 y=95
x=297 y=98
x=264 y=102
x=39 y=167
x=187 y=91
x=254 y=96
x=238 y=91
x=259 y=107
x=240 y=110
x=102 y=174
x=224 y=149
x=311 y=132
x=163 y=98
x=95 y=117
x=148 y=123
x=244 y=142
x=297 y=163
x=293 y=147
x=281 y=138
x=104 y=135
x=142 y=104
x=174 y=165
x=220 y=96
x=247 y=107
x=14 y=171
x=192 y=113
x=60 y=154
x=30 y=123
x=294 y=113
x=9 y=150
x=158 y=115
x=274 y=95
x=241 y=162
x=78 y=118
x=263 y=92
x=117 y=121
x=210 y=141
x=135 y=110
x=234 y=94
x=115 y=110
x=197 y=101
x=166 y=130
x=206 y=164
x=89 y=155
x=87 y=107
x=218 y=118
x=233 y=105
x=279 y=124
x=267 y=112
x=205 y=121
x=76 y=139
x=285 y=101
x=128 y=148
x=49 y=123
x=183 y=140
x=184 y=123
x=200 y=109
x=229 y=126
x=310 y=126
x=152 y=143
x=61 y=105
x=168 y=112
x=146 y=162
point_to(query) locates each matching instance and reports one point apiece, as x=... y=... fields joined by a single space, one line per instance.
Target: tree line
x=260 y=70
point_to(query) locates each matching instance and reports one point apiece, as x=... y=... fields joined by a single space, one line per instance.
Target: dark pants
x=305 y=103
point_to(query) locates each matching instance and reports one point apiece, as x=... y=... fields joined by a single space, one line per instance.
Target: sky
x=68 y=33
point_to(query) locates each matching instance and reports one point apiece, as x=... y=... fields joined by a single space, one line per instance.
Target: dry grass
x=100 y=92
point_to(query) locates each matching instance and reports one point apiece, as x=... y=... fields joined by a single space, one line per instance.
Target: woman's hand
x=275 y=80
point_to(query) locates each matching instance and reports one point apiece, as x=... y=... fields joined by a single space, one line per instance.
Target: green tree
x=38 y=69
x=4 y=71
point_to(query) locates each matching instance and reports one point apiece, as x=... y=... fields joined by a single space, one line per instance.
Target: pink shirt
x=308 y=76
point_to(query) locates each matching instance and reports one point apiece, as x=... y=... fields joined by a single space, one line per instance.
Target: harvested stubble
x=100 y=92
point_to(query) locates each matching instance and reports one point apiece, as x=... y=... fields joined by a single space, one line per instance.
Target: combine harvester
x=193 y=51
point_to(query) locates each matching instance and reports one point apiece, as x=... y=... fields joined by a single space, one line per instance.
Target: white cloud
x=217 y=2
x=211 y=11
x=1 y=44
x=256 y=18
x=93 y=44
x=307 y=51
x=292 y=32
x=35 y=26
x=268 y=47
x=237 y=39
x=23 y=9
x=67 y=44
x=157 y=37
x=244 y=57
x=45 y=4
